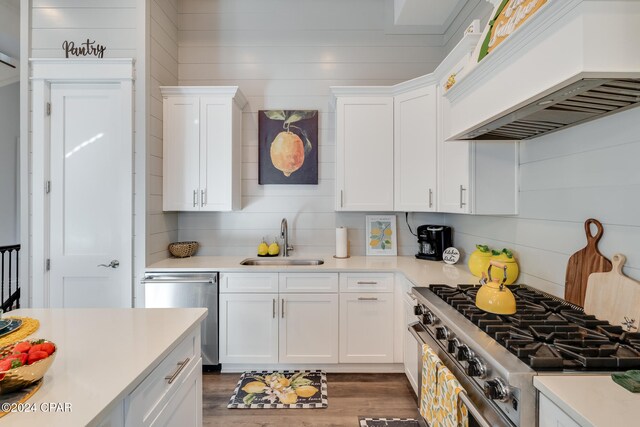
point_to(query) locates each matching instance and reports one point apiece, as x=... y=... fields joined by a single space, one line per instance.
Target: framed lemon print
x=288 y=147
x=381 y=235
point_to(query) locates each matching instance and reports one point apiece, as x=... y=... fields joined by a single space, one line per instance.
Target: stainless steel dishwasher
x=187 y=290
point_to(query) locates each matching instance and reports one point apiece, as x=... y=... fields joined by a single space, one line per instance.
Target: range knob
x=418 y=310
x=476 y=368
x=452 y=345
x=496 y=389
x=429 y=318
x=442 y=332
x=463 y=353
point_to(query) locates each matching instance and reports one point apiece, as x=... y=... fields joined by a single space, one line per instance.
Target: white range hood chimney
x=573 y=61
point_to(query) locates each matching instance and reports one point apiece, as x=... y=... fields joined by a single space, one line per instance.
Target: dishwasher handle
x=147 y=280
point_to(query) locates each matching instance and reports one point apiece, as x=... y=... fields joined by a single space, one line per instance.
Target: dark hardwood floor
x=350 y=396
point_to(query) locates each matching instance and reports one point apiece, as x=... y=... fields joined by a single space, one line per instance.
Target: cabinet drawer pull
x=367 y=283
x=195 y=195
x=367 y=299
x=283 y=308
x=274 y=308
x=172 y=377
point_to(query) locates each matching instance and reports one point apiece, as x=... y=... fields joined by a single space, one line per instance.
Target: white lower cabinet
x=171 y=394
x=550 y=415
x=249 y=328
x=283 y=327
x=309 y=328
x=366 y=328
x=411 y=347
x=315 y=318
x=185 y=408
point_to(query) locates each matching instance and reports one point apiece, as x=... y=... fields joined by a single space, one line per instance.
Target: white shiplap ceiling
x=433 y=13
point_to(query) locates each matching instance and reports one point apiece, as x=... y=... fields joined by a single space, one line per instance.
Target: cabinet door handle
x=430 y=198
x=367 y=283
x=341 y=198
x=202 y=202
x=283 y=308
x=461 y=197
x=172 y=377
x=195 y=196
x=274 y=308
x=367 y=299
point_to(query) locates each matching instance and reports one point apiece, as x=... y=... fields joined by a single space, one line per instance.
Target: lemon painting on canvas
x=288 y=147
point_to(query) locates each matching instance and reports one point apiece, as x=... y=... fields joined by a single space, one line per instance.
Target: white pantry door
x=90 y=197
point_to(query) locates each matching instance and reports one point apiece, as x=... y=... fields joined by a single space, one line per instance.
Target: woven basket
x=183 y=249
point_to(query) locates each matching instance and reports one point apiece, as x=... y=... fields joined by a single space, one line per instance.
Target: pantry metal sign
x=86 y=48
x=510 y=15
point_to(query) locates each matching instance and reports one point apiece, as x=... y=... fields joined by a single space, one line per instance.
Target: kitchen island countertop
x=103 y=354
x=419 y=272
x=591 y=400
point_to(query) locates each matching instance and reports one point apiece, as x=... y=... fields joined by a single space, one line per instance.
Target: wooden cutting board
x=584 y=262
x=613 y=296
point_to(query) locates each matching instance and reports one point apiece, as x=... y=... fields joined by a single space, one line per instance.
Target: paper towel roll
x=341 y=243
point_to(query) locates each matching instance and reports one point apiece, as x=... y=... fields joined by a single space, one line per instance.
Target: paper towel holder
x=348 y=248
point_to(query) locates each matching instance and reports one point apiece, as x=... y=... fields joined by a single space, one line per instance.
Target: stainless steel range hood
x=584 y=100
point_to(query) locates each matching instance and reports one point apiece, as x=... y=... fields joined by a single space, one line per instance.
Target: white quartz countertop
x=419 y=272
x=102 y=355
x=591 y=400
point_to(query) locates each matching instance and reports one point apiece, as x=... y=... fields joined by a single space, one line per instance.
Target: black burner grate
x=548 y=333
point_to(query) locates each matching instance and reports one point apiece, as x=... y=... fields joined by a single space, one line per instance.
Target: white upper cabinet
x=202 y=148
x=473 y=177
x=392 y=153
x=364 y=153
x=415 y=154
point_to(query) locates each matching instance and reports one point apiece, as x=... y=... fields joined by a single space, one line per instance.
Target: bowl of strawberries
x=24 y=363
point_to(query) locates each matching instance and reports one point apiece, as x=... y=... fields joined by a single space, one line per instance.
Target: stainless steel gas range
x=496 y=357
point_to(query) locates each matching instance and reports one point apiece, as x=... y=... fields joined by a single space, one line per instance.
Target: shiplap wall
x=285 y=54
x=473 y=9
x=588 y=171
x=162 y=228
x=110 y=23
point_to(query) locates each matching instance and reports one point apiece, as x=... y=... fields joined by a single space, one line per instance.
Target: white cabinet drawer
x=161 y=384
x=308 y=282
x=370 y=282
x=248 y=282
x=185 y=409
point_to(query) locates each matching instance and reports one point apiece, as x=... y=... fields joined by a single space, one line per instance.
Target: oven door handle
x=413 y=329
x=462 y=396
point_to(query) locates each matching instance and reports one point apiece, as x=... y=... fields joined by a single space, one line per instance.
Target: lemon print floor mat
x=391 y=422
x=280 y=389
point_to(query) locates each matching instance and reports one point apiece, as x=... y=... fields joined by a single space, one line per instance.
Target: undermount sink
x=281 y=261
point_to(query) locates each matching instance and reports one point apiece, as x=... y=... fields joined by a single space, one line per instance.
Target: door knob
x=113 y=264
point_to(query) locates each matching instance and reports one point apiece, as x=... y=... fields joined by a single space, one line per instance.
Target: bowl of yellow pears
x=268 y=250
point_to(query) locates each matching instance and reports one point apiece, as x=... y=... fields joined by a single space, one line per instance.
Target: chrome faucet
x=284 y=235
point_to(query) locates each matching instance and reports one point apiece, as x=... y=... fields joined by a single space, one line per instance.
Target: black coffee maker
x=432 y=241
